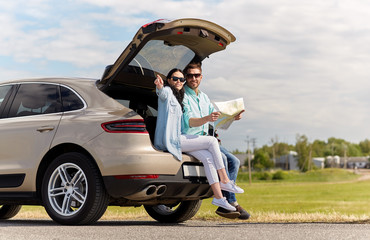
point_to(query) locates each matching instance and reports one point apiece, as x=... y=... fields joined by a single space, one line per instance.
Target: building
x=287 y=162
x=355 y=162
x=319 y=162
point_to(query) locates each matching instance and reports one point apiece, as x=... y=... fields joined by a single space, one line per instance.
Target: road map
x=228 y=109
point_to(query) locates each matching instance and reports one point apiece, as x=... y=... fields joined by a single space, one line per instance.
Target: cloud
x=301 y=66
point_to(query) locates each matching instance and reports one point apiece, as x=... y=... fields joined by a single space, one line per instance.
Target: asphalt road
x=46 y=229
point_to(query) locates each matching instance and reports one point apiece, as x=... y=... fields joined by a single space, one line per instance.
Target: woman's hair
x=179 y=94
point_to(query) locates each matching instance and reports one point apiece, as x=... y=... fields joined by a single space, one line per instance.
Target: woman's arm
x=158 y=82
x=162 y=92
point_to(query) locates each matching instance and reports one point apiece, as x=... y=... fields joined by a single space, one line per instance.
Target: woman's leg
x=211 y=173
x=207 y=150
x=190 y=143
x=206 y=158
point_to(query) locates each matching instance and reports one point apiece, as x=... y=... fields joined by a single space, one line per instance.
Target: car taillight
x=125 y=126
x=137 y=176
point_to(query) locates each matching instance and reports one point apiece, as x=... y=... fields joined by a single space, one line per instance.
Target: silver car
x=77 y=145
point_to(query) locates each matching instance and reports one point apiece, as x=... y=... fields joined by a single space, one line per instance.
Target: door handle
x=45 y=129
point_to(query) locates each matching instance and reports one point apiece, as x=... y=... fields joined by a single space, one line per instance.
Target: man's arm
x=197 y=122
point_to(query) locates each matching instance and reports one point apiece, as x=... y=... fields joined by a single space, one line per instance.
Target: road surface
x=47 y=229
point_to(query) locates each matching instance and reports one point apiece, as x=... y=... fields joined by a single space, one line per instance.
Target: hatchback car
x=76 y=146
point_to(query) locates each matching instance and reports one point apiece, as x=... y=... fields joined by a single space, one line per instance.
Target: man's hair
x=193 y=65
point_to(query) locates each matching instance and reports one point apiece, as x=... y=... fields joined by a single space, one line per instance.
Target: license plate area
x=193 y=171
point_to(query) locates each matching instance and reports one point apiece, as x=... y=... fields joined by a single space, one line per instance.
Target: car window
x=70 y=100
x=34 y=99
x=4 y=90
x=152 y=111
x=159 y=56
x=124 y=102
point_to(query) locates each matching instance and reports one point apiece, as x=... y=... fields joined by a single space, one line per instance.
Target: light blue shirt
x=168 y=129
x=195 y=106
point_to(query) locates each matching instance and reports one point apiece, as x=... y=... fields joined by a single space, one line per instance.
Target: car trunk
x=157 y=48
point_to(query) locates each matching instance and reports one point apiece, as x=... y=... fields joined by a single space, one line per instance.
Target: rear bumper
x=175 y=187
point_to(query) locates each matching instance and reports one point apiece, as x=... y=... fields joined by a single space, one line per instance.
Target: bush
x=279 y=175
x=265 y=176
x=262 y=175
x=258 y=167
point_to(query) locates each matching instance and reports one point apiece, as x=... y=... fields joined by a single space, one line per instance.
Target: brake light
x=157 y=21
x=179 y=32
x=137 y=176
x=125 y=126
x=220 y=44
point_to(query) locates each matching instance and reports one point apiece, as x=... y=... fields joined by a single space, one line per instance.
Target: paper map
x=229 y=110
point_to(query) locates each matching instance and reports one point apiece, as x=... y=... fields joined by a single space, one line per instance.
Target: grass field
x=329 y=195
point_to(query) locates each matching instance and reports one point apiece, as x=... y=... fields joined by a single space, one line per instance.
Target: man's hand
x=239 y=116
x=197 y=122
x=213 y=116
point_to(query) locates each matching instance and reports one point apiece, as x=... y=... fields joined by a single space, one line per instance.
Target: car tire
x=174 y=214
x=72 y=190
x=9 y=211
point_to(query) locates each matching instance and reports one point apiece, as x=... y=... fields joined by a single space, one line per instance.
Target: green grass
x=325 y=192
x=344 y=198
x=331 y=195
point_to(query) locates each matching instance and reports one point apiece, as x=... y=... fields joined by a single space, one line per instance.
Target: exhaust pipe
x=161 y=189
x=149 y=192
x=146 y=193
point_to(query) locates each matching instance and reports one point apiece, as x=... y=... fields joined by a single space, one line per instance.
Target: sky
x=301 y=67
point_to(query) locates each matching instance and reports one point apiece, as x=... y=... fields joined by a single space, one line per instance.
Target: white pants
x=207 y=150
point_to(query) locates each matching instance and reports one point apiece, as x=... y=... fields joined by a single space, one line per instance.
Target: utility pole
x=345 y=157
x=310 y=158
x=273 y=141
x=249 y=157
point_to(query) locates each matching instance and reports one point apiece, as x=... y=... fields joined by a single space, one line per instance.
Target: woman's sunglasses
x=175 y=79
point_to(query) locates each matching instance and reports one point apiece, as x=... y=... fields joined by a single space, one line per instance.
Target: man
x=198 y=112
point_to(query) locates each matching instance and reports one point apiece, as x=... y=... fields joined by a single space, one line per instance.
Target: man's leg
x=232 y=168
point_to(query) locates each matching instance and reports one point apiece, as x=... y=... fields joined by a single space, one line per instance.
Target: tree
x=262 y=160
x=318 y=148
x=304 y=150
x=365 y=146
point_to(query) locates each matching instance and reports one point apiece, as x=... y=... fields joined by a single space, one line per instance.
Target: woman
x=205 y=148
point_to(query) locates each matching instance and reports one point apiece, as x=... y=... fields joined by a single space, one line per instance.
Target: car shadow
x=190 y=223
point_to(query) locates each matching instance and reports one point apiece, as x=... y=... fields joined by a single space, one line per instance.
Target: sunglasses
x=175 y=79
x=190 y=75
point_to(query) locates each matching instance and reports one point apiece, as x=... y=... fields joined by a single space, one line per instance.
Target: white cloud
x=301 y=66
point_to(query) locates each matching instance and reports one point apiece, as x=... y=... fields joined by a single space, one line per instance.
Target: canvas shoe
x=223 y=203
x=228 y=214
x=231 y=187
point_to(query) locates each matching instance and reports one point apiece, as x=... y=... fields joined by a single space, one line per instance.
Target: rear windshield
x=158 y=56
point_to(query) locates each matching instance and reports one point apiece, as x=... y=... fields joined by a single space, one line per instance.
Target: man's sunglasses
x=175 y=79
x=190 y=75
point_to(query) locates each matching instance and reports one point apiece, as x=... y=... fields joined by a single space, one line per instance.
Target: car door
x=31 y=121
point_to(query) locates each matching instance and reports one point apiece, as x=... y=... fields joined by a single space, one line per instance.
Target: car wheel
x=174 y=214
x=72 y=190
x=9 y=211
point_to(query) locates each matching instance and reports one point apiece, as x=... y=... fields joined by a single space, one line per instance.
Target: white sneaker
x=223 y=203
x=231 y=187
